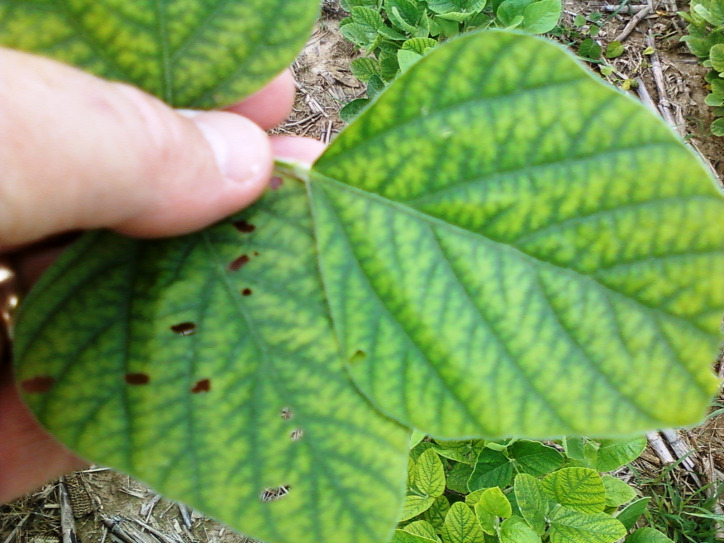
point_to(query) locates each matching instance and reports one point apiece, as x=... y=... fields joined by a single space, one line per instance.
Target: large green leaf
x=532 y=501
x=461 y=526
x=493 y=468
x=206 y=366
x=617 y=491
x=429 y=475
x=191 y=53
x=579 y=489
x=568 y=526
x=614 y=453
x=534 y=458
x=647 y=535
x=516 y=530
x=511 y=247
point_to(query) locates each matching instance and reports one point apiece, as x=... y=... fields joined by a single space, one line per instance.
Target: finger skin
x=272 y=105
x=79 y=152
x=304 y=150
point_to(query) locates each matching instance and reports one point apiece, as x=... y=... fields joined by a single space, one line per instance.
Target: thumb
x=80 y=152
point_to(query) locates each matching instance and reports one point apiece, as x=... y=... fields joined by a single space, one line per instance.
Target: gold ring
x=9 y=300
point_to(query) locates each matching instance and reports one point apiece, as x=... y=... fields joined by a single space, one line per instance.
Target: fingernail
x=241 y=149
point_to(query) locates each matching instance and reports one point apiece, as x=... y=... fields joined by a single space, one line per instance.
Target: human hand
x=77 y=152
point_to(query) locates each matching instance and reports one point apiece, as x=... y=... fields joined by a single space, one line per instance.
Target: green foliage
x=500 y=245
x=395 y=34
x=705 y=38
x=684 y=513
x=568 y=504
x=465 y=218
x=189 y=53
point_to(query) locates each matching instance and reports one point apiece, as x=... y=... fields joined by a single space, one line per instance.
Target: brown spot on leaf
x=247 y=292
x=184 y=329
x=275 y=183
x=357 y=357
x=239 y=262
x=137 y=379
x=287 y=413
x=244 y=227
x=37 y=385
x=273 y=494
x=256 y=253
x=297 y=434
x=204 y=385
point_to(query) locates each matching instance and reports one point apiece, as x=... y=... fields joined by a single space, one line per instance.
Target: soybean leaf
x=494 y=501
x=534 y=458
x=415 y=505
x=364 y=68
x=532 y=501
x=461 y=526
x=542 y=16
x=456 y=6
x=461 y=451
x=437 y=512
x=420 y=448
x=700 y=40
x=515 y=530
x=422 y=528
x=564 y=240
x=579 y=489
x=429 y=477
x=717 y=127
x=401 y=536
x=647 y=535
x=716 y=56
x=407 y=59
x=492 y=469
x=190 y=53
x=568 y=525
x=632 y=512
x=486 y=519
x=419 y=45
x=581 y=451
x=614 y=453
x=510 y=11
x=352 y=109
x=416 y=438
x=458 y=477
x=617 y=491
x=207 y=368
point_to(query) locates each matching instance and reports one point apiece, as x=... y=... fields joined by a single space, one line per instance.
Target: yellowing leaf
x=461 y=526
x=190 y=53
x=510 y=256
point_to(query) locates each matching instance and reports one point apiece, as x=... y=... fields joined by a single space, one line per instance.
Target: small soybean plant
x=521 y=491
x=499 y=246
x=397 y=33
x=705 y=39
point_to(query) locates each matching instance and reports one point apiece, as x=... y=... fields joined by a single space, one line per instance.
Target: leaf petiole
x=291 y=169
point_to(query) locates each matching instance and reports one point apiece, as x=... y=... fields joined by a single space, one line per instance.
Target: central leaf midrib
x=452 y=391
x=220 y=271
x=308 y=443
x=167 y=89
x=498 y=245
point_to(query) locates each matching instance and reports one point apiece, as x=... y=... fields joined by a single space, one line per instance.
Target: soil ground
x=671 y=80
